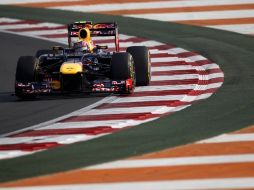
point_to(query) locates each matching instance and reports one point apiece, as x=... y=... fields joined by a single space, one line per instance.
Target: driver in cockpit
x=84 y=44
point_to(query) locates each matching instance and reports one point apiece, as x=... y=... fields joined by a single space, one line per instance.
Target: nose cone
x=71 y=68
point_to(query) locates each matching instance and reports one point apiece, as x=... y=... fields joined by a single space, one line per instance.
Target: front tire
x=122 y=68
x=142 y=62
x=25 y=73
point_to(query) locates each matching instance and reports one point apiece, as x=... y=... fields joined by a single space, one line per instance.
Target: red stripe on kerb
x=37 y=28
x=200 y=62
x=67 y=131
x=216 y=80
x=174 y=72
x=186 y=81
x=135 y=116
x=29 y=147
x=159 y=55
x=63 y=35
x=189 y=92
x=184 y=72
x=186 y=54
x=172 y=63
x=134 y=40
x=19 y=22
x=162 y=47
x=169 y=103
x=160 y=93
x=200 y=92
x=208 y=71
x=211 y=71
x=136 y=104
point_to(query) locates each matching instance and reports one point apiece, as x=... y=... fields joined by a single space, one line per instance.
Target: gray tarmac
x=16 y=114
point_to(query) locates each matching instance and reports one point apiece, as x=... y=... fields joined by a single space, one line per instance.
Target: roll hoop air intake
x=84 y=34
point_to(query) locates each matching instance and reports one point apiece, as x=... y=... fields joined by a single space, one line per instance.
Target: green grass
x=231 y=108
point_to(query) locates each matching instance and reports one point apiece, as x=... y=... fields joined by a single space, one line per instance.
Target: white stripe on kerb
x=3 y=19
x=210 y=66
x=173 y=68
x=82 y=124
x=165 y=59
x=21 y=26
x=87 y=124
x=178 y=161
x=132 y=109
x=177 y=50
x=61 y=139
x=148 y=98
x=46 y=32
x=164 y=87
x=195 y=58
x=191 y=184
x=4 y=154
x=149 y=5
x=174 y=77
x=148 y=43
x=178 y=87
x=175 y=87
x=216 y=75
x=148 y=109
x=203 y=15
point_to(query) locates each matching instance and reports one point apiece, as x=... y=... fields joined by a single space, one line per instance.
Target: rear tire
x=122 y=68
x=25 y=72
x=142 y=62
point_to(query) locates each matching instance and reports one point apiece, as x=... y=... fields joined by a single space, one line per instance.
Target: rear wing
x=97 y=29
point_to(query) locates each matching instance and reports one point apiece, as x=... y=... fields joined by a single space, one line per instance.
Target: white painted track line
x=193 y=184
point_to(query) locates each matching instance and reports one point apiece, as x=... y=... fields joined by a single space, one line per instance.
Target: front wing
x=110 y=86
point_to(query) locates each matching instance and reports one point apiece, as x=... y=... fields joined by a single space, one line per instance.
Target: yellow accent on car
x=55 y=84
x=84 y=34
x=71 y=68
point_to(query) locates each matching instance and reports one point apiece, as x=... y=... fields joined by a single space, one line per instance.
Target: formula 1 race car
x=83 y=66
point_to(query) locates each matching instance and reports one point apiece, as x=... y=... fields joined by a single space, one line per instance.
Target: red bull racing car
x=83 y=66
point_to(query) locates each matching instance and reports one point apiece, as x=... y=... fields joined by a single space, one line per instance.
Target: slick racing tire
x=122 y=68
x=142 y=62
x=25 y=72
x=43 y=52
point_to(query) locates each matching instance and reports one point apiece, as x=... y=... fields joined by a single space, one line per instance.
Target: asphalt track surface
x=17 y=114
